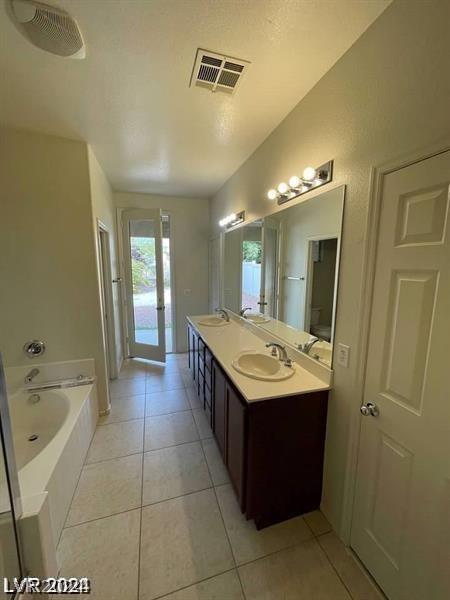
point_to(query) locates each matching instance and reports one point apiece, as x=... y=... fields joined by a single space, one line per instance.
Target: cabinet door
x=219 y=407
x=236 y=442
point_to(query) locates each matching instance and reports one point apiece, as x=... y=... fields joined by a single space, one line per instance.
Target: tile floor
x=154 y=514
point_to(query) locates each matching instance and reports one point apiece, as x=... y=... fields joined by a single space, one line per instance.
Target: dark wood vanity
x=273 y=448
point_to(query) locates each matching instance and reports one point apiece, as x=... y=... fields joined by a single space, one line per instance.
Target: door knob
x=369 y=409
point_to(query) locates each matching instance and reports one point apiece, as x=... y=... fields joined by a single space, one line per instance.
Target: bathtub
x=52 y=431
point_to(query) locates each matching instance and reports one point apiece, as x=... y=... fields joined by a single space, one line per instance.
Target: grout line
x=223 y=523
x=140 y=517
x=115 y=514
x=334 y=568
x=178 y=497
x=165 y=595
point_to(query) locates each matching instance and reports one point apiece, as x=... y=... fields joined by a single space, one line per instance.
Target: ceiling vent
x=217 y=72
x=49 y=28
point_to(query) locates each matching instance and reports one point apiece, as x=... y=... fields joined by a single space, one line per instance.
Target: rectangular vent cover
x=217 y=72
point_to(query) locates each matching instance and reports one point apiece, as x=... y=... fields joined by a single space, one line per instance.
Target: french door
x=401 y=520
x=144 y=283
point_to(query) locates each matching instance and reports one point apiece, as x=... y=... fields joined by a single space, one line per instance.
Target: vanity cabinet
x=273 y=449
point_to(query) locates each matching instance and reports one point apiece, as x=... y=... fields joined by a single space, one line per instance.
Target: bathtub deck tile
x=107 y=488
x=116 y=439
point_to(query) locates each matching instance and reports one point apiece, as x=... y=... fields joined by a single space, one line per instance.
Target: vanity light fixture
x=233 y=219
x=311 y=178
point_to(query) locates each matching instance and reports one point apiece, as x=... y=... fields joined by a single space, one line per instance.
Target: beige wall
x=103 y=209
x=48 y=274
x=388 y=96
x=189 y=234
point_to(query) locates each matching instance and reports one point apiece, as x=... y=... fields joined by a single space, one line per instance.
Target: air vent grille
x=217 y=72
x=49 y=28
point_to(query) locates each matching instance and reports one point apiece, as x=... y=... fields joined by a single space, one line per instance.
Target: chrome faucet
x=224 y=313
x=306 y=348
x=31 y=375
x=280 y=351
x=242 y=311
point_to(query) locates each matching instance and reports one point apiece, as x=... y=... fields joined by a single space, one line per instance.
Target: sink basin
x=213 y=322
x=262 y=366
x=257 y=318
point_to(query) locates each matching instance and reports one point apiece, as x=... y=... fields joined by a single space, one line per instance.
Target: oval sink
x=257 y=318
x=213 y=322
x=262 y=366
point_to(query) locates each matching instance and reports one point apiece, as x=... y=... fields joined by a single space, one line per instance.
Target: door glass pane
x=270 y=262
x=167 y=276
x=251 y=267
x=143 y=271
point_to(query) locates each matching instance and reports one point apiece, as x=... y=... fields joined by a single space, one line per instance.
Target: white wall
x=49 y=287
x=189 y=236
x=387 y=97
x=103 y=208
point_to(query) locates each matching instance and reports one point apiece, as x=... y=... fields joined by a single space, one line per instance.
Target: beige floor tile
x=352 y=574
x=186 y=375
x=106 y=488
x=161 y=403
x=193 y=398
x=116 y=439
x=246 y=541
x=107 y=552
x=168 y=381
x=174 y=471
x=317 y=522
x=204 y=430
x=169 y=430
x=183 y=541
x=221 y=587
x=299 y=573
x=124 y=388
x=125 y=409
x=161 y=368
x=132 y=369
x=217 y=469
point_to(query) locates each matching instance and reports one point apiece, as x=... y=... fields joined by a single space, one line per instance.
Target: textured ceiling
x=131 y=100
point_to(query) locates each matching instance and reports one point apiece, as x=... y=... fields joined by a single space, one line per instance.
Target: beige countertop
x=227 y=341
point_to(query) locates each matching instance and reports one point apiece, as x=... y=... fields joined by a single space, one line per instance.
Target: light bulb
x=309 y=174
x=294 y=182
x=272 y=194
x=283 y=187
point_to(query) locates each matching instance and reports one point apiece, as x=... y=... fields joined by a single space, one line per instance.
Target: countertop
x=227 y=341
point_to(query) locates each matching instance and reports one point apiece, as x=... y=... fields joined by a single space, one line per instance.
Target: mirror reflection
x=281 y=272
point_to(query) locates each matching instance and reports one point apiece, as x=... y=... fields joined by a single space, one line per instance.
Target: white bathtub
x=64 y=422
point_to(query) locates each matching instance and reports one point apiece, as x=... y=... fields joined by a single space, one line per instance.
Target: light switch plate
x=343 y=355
x=187 y=292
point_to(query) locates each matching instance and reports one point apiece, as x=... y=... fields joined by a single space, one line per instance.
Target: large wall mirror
x=282 y=272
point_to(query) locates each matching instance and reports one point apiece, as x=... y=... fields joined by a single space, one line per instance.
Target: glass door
x=269 y=275
x=144 y=283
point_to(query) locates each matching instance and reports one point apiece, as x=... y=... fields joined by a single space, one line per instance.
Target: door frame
x=309 y=279
x=121 y=268
x=106 y=293
x=376 y=180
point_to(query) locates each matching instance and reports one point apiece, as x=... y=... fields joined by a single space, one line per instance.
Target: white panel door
x=144 y=282
x=401 y=523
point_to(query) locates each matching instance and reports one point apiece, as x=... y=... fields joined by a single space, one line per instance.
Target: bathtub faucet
x=31 y=375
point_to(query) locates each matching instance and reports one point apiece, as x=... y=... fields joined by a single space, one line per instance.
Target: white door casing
x=150 y=223
x=401 y=520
